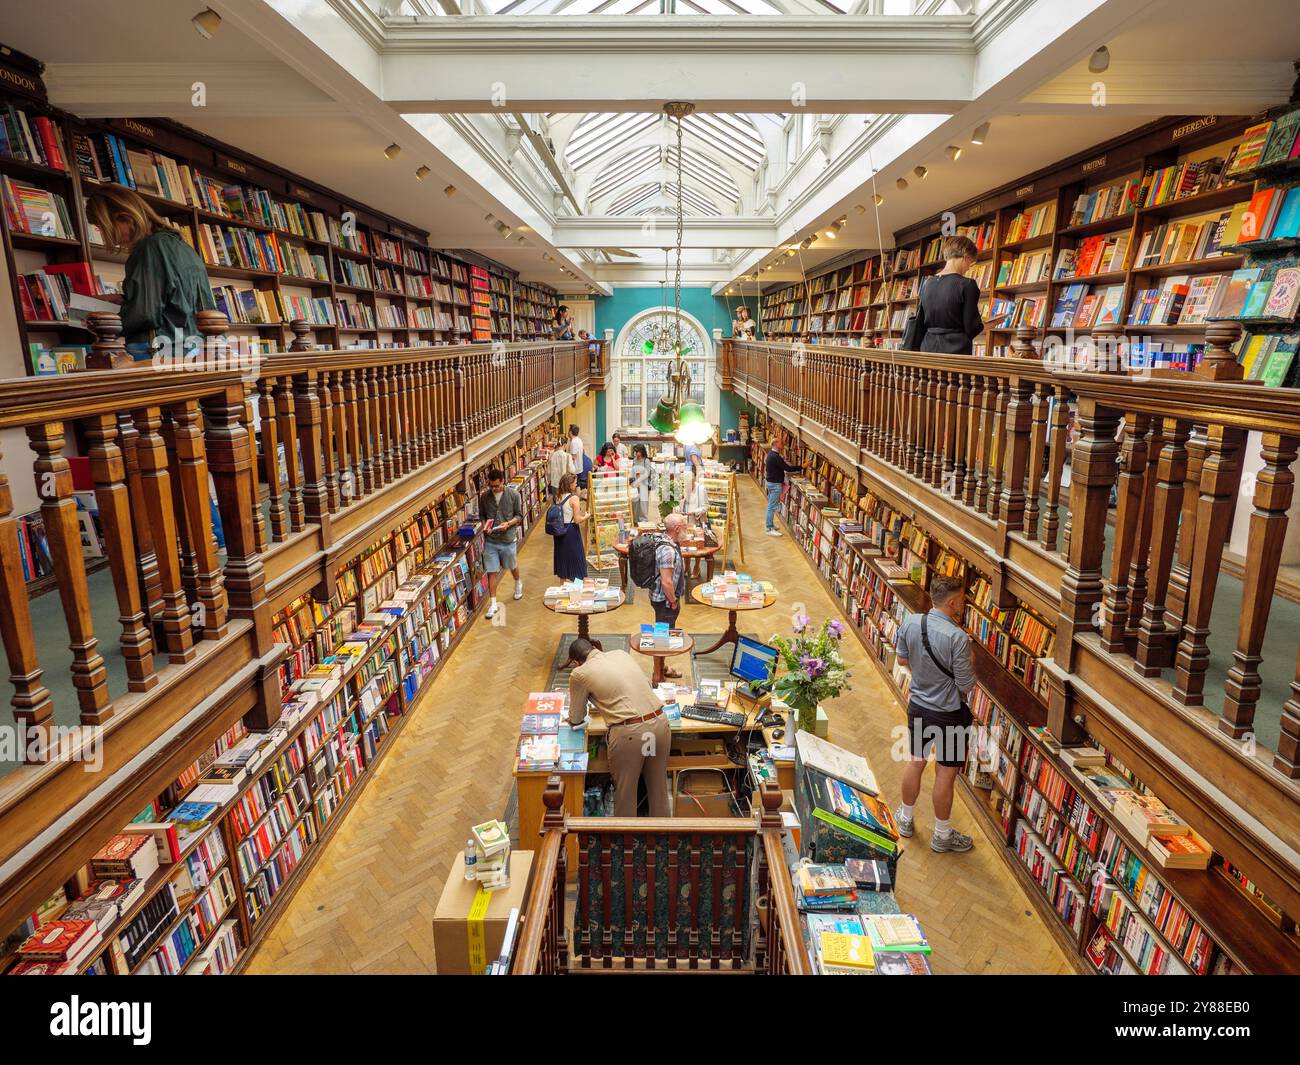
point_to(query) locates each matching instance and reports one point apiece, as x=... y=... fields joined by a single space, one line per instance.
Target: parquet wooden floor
x=367 y=904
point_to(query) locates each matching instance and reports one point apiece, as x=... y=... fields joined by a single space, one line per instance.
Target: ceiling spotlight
x=920 y=172
x=790 y=253
x=421 y=173
x=877 y=199
x=860 y=208
x=207 y=22
x=393 y=151
x=954 y=152
x=981 y=133
x=450 y=190
x=546 y=256
x=901 y=184
x=502 y=228
x=1099 y=61
x=830 y=234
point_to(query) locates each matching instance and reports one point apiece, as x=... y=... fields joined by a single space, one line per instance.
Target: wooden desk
x=732 y=633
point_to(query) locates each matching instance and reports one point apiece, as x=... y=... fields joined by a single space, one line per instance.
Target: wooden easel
x=730 y=500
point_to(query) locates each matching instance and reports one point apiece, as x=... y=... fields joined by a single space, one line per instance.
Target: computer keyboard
x=714 y=717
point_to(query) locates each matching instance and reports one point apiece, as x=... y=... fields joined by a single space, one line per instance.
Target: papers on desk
x=734 y=590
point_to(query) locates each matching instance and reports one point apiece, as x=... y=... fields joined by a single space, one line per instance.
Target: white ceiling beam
x=629 y=63
x=699 y=232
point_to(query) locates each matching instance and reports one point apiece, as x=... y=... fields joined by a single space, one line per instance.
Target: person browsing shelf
x=642 y=478
x=607 y=459
x=937 y=650
x=742 y=328
x=774 y=470
x=620 y=448
x=166 y=283
x=570 y=557
x=639 y=737
x=501 y=506
x=562 y=324
x=577 y=451
x=560 y=463
x=695 y=500
x=947 y=315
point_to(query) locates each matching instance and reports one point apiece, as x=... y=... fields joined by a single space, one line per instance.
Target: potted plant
x=813 y=669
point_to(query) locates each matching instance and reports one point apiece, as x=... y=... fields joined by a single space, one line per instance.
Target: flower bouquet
x=813 y=668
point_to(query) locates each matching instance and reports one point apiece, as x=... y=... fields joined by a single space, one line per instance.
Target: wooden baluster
x=31 y=699
x=150 y=584
x=394 y=422
x=973 y=419
x=1058 y=419
x=259 y=523
x=694 y=947
x=287 y=422
x=673 y=847
x=189 y=563
x=174 y=618
x=1037 y=458
x=302 y=339
x=629 y=894
x=988 y=400
x=1219 y=363
x=1220 y=482
x=208 y=600
x=307 y=413
x=1185 y=550
x=1155 y=641
x=715 y=925
x=933 y=471
x=108 y=350
x=1132 y=475
x=328 y=442
x=916 y=437
x=424 y=408
x=958 y=398
x=406 y=409
x=108 y=471
x=344 y=416
x=739 y=898
x=271 y=458
x=366 y=431
x=1091 y=479
x=1287 y=758
x=458 y=399
x=1274 y=489
x=997 y=447
x=607 y=903
x=1142 y=547
x=651 y=867
x=582 y=920
x=1018 y=420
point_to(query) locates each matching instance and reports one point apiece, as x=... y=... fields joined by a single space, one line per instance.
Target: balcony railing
x=1104 y=499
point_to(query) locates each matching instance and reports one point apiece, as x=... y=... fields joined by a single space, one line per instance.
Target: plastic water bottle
x=471 y=859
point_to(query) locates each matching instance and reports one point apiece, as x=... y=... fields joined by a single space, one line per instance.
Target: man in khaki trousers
x=639 y=736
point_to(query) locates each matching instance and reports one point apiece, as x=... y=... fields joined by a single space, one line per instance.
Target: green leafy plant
x=813 y=668
x=670 y=494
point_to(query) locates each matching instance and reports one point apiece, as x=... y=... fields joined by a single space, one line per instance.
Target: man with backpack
x=936 y=648
x=665 y=574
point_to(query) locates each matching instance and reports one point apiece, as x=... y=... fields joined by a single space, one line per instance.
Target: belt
x=639 y=720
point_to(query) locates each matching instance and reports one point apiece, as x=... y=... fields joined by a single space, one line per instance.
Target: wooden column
x=266 y=388
x=31 y=699
x=1058 y=420
x=1090 y=484
x=208 y=604
x=108 y=350
x=1018 y=422
x=1155 y=641
x=1220 y=481
x=1132 y=477
x=1037 y=459
x=308 y=424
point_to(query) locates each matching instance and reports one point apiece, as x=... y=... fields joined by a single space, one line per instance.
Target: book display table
x=702 y=594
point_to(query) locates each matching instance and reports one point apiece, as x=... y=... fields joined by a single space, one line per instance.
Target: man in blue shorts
x=500 y=505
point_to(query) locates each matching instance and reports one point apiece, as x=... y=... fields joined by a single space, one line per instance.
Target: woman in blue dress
x=570 y=555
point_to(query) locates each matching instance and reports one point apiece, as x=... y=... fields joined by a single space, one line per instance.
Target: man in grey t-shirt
x=937 y=650
x=501 y=505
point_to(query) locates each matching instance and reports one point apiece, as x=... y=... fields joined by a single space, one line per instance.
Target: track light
x=207 y=22
x=920 y=172
x=421 y=173
x=393 y=151
x=860 y=208
x=450 y=190
x=831 y=234
x=877 y=199
x=901 y=184
x=1099 y=61
x=981 y=133
x=954 y=152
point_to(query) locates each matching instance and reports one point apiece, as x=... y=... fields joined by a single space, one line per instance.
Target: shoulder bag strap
x=925 y=640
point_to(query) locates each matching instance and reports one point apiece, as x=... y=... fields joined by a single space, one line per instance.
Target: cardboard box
x=457 y=936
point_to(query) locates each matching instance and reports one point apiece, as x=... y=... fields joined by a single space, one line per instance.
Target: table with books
x=592 y=595
x=659 y=643
x=695 y=550
x=733 y=592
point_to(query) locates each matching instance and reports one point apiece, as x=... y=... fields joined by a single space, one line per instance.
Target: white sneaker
x=519 y=589
x=906 y=825
x=773 y=532
x=492 y=609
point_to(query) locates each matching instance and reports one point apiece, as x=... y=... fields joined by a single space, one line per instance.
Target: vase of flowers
x=813 y=668
x=670 y=493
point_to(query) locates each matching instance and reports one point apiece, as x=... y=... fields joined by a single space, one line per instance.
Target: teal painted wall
x=714 y=312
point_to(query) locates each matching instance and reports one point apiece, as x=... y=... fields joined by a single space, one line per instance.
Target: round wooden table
x=732 y=633
x=584 y=616
x=661 y=654
x=691 y=557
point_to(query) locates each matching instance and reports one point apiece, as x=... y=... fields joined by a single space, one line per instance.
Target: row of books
x=36 y=211
x=31 y=137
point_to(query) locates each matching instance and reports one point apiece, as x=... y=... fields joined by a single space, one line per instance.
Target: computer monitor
x=752 y=662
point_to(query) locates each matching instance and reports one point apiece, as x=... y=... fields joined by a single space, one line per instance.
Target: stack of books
x=492 y=855
x=824 y=887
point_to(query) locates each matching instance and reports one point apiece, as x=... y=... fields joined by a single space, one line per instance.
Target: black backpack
x=642 y=569
x=555 y=523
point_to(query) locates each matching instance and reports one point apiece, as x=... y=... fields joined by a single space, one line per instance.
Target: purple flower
x=814 y=667
x=801 y=623
x=836 y=628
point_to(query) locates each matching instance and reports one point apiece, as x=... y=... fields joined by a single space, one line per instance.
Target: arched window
x=644 y=356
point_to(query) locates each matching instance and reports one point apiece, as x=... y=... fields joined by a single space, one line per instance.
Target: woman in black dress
x=570 y=555
x=947 y=315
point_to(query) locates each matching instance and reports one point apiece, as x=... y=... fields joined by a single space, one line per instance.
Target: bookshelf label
x=300 y=193
x=137 y=127
x=1187 y=129
x=25 y=83
x=235 y=165
x=1094 y=164
x=1024 y=190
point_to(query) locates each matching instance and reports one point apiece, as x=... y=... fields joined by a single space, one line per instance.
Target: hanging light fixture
x=675 y=412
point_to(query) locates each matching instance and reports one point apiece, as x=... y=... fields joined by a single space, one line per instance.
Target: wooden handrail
x=787 y=954
x=538 y=912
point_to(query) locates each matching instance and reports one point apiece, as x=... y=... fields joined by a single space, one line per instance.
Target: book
x=815 y=880
x=1284 y=297
x=836 y=762
x=894 y=931
x=125 y=855
x=65 y=941
x=869 y=873
x=1179 y=851
x=1277 y=365
x=901 y=963
x=1145 y=815
x=846 y=950
x=1235 y=292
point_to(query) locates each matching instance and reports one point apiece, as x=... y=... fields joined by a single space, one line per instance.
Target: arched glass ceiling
x=621 y=151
